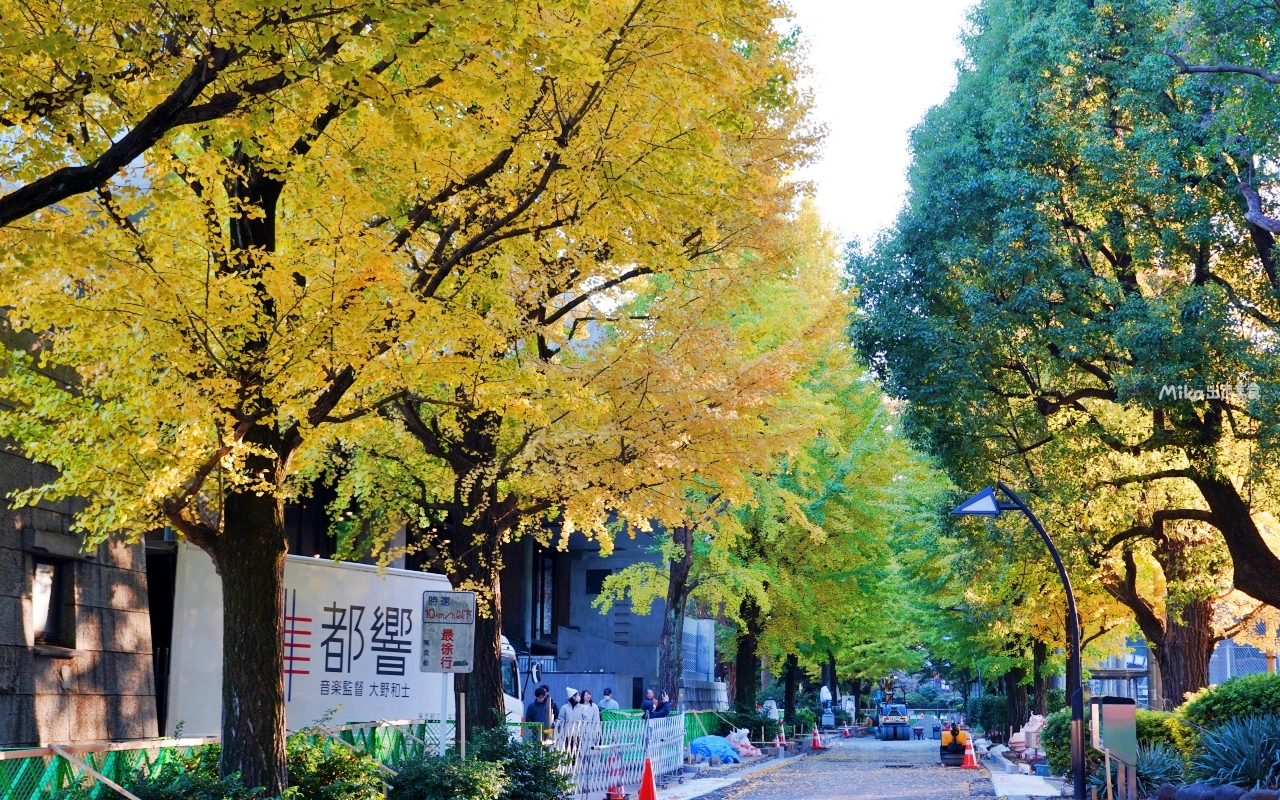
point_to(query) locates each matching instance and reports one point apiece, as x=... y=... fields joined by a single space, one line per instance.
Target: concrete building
x=76 y=660
x=85 y=635
x=548 y=613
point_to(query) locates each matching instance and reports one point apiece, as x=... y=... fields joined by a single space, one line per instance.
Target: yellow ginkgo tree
x=261 y=279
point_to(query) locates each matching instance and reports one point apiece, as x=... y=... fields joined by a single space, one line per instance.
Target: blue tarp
x=715 y=746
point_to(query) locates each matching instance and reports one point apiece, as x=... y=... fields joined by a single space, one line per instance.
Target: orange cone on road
x=648 y=786
x=848 y=734
x=817 y=741
x=969 y=761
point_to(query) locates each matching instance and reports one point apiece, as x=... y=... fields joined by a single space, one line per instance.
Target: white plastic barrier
x=607 y=754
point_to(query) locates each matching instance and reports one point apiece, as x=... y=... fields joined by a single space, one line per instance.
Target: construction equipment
x=892 y=722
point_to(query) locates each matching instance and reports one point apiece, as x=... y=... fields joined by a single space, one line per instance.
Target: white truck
x=351 y=646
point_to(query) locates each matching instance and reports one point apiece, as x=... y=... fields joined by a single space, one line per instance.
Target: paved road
x=863 y=769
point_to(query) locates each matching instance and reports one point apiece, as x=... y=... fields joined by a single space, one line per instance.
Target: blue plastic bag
x=715 y=746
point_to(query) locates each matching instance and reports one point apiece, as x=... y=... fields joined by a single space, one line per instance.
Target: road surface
x=862 y=769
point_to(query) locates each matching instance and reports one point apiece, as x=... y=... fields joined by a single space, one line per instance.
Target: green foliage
x=1155 y=728
x=318 y=770
x=531 y=771
x=448 y=778
x=1056 y=741
x=987 y=712
x=750 y=719
x=1157 y=765
x=1241 y=752
x=1245 y=696
x=806 y=718
x=1056 y=701
x=927 y=696
x=193 y=778
x=1055 y=738
x=323 y=770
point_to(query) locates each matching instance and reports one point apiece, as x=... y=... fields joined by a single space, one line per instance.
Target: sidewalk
x=697 y=787
x=1019 y=787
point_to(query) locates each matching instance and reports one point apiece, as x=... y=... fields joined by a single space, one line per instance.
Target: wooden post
x=1106 y=771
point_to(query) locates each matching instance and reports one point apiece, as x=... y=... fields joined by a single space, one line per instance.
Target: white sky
x=877 y=67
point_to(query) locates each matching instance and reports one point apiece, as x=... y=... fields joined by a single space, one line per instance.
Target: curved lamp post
x=986 y=504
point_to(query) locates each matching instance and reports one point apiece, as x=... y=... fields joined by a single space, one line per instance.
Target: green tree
x=1065 y=259
x=253 y=285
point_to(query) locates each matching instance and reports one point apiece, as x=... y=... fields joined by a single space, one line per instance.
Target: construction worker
x=954 y=739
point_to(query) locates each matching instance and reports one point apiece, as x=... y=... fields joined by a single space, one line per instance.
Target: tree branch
x=1229 y=69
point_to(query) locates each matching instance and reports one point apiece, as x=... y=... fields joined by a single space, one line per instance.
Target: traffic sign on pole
x=448 y=631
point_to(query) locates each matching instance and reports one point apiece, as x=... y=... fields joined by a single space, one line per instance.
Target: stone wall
x=96 y=682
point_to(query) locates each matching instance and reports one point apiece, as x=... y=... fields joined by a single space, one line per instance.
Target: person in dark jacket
x=542 y=709
x=654 y=708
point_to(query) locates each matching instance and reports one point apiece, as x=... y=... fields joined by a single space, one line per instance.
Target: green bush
x=448 y=778
x=1241 y=752
x=318 y=770
x=1155 y=728
x=927 y=696
x=750 y=719
x=806 y=718
x=1157 y=765
x=323 y=770
x=531 y=772
x=1055 y=738
x=1056 y=700
x=987 y=712
x=1245 y=696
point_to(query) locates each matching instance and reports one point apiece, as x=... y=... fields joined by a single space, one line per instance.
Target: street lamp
x=986 y=504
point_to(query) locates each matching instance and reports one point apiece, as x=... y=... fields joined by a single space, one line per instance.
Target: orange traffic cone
x=848 y=734
x=648 y=786
x=969 y=761
x=817 y=740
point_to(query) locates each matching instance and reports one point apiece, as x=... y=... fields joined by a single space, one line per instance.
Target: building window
x=52 y=603
x=544 y=595
x=595 y=580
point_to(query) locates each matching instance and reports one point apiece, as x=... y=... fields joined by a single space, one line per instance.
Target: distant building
x=547 y=597
x=1128 y=675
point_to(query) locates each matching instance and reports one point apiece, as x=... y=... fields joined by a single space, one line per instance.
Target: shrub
x=1154 y=728
x=531 y=772
x=1241 y=752
x=318 y=770
x=321 y=770
x=448 y=778
x=750 y=719
x=192 y=778
x=1056 y=700
x=1245 y=696
x=1157 y=765
x=805 y=717
x=987 y=712
x=927 y=696
x=1055 y=738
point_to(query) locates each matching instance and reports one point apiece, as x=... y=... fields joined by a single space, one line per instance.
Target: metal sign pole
x=444 y=709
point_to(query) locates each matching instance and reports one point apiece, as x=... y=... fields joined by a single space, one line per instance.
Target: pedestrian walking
x=607 y=703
